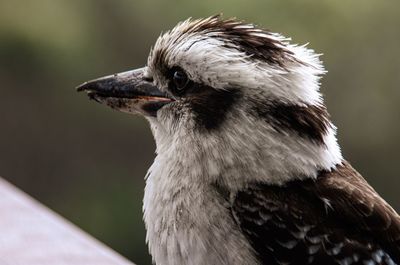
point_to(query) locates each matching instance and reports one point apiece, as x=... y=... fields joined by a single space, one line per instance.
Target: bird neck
x=241 y=153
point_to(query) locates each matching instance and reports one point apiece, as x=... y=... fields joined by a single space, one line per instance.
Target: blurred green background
x=87 y=162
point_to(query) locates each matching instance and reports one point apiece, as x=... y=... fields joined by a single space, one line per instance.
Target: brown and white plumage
x=248 y=168
x=336 y=219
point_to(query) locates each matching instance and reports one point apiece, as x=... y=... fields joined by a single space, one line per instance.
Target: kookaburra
x=248 y=169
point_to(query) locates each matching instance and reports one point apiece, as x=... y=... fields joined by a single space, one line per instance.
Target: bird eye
x=180 y=80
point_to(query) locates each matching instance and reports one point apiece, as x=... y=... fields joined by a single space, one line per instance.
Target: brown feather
x=336 y=219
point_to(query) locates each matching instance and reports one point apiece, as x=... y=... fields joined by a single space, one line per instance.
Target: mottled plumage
x=336 y=219
x=248 y=168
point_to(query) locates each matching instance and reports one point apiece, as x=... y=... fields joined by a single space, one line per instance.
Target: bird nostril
x=148 y=78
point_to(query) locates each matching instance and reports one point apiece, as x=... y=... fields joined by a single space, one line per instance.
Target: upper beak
x=128 y=92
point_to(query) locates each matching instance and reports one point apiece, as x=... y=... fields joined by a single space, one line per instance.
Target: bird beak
x=127 y=92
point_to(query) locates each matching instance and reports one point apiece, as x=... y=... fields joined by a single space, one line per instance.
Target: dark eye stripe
x=211 y=106
x=310 y=122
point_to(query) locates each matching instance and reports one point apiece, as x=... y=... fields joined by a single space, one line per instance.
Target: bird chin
x=144 y=105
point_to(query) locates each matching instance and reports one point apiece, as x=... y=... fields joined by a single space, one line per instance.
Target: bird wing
x=336 y=219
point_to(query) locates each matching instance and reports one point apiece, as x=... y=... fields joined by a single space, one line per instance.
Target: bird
x=248 y=169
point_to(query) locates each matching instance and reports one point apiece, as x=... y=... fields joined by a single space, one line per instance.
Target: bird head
x=225 y=92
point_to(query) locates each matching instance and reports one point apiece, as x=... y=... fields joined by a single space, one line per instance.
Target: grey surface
x=31 y=234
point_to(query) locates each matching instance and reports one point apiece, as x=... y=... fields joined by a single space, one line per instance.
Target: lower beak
x=128 y=92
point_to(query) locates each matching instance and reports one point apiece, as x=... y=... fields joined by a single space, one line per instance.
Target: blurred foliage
x=87 y=162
